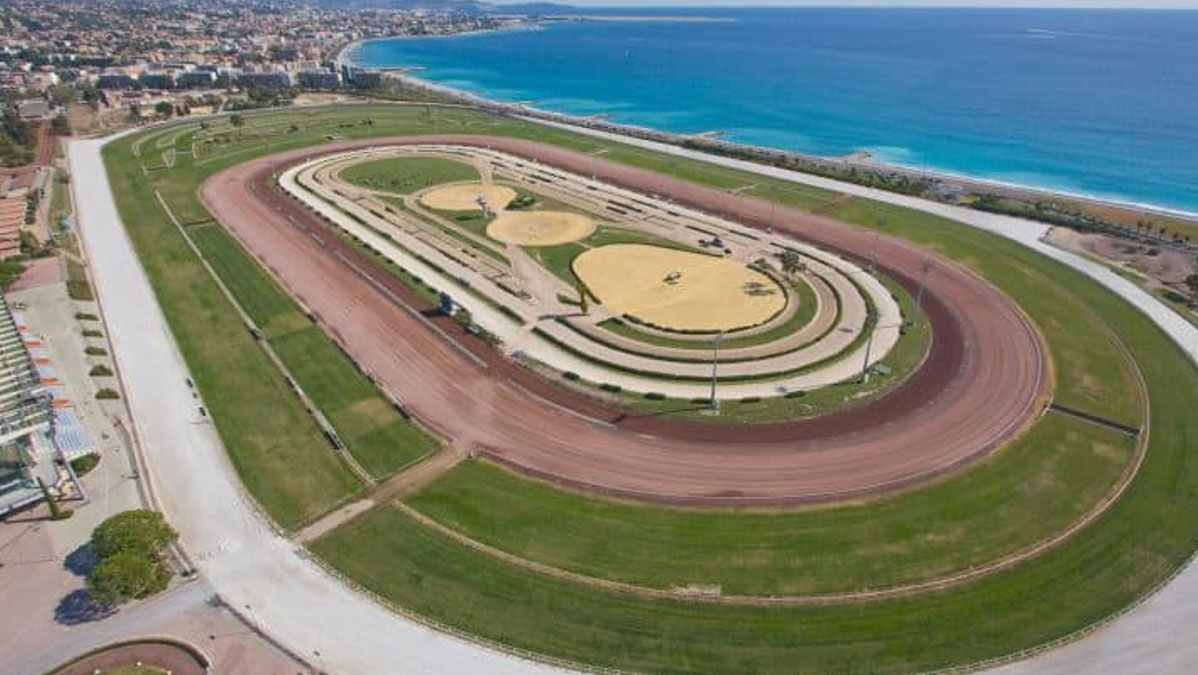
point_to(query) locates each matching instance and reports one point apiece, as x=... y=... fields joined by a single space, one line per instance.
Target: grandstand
x=39 y=429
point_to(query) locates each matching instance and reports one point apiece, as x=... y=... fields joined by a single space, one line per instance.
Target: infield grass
x=405 y=175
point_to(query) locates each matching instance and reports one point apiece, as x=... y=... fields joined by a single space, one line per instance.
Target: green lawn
x=404 y=175
x=1091 y=372
x=381 y=441
x=78 y=287
x=257 y=294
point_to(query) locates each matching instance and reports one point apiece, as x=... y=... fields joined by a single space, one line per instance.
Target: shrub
x=796 y=394
x=655 y=396
x=570 y=376
x=100 y=370
x=125 y=576
x=92 y=333
x=107 y=394
x=84 y=464
x=613 y=388
x=751 y=399
x=86 y=316
x=138 y=531
x=95 y=351
x=78 y=289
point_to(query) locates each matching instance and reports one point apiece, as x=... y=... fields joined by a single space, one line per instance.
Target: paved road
x=239 y=554
x=250 y=564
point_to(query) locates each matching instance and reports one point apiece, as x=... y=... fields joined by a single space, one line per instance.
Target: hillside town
x=85 y=66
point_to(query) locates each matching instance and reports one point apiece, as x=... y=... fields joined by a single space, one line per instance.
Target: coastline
x=712 y=142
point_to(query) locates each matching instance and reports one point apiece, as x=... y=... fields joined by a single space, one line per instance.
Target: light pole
x=715 y=361
x=877 y=235
x=773 y=208
x=871 y=319
x=924 y=270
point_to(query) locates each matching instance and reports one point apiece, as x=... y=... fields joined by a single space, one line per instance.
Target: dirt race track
x=985 y=378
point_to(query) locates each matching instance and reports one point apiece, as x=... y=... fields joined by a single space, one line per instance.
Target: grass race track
x=1035 y=487
x=915 y=536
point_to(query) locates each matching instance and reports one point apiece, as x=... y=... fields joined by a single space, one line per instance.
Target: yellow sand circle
x=465 y=197
x=540 y=228
x=679 y=290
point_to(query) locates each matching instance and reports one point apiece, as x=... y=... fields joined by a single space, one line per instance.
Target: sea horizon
x=1103 y=151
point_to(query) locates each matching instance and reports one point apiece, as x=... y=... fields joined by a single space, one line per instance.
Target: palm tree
x=792 y=262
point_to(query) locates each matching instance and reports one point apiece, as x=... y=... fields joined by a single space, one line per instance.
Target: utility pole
x=715 y=360
x=871 y=320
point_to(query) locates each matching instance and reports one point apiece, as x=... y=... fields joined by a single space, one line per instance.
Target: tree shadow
x=77 y=608
x=80 y=561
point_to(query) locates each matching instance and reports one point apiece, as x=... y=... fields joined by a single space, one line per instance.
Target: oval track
x=983 y=380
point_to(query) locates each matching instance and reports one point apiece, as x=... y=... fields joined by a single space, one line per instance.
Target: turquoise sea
x=1096 y=102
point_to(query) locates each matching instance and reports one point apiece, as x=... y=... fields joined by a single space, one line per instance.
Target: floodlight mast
x=715 y=360
x=924 y=269
x=871 y=320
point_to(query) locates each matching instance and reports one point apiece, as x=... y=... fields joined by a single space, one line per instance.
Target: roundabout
x=554 y=529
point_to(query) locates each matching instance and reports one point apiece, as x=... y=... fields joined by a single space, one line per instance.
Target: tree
x=60 y=126
x=140 y=531
x=1192 y=284
x=792 y=262
x=129 y=548
x=164 y=109
x=582 y=298
x=56 y=512
x=125 y=576
x=237 y=121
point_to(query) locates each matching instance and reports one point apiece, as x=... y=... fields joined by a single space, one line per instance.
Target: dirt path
x=399 y=486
